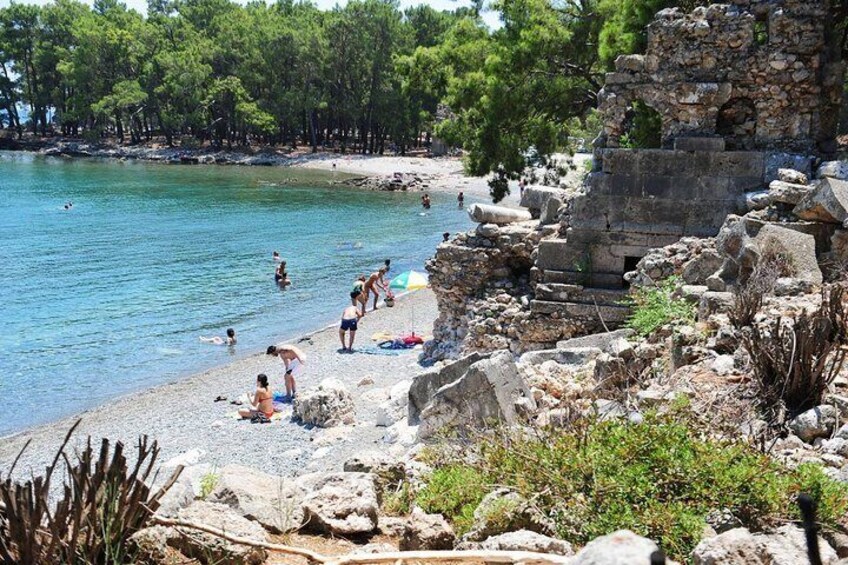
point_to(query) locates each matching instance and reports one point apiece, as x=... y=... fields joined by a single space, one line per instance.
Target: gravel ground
x=183 y=416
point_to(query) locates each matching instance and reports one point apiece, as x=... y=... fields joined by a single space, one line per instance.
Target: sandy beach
x=192 y=428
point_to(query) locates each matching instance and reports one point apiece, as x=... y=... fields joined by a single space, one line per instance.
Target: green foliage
x=399 y=502
x=208 y=482
x=659 y=479
x=454 y=490
x=654 y=307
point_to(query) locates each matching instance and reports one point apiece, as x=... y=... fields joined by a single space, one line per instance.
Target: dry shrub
x=795 y=359
x=748 y=299
x=102 y=503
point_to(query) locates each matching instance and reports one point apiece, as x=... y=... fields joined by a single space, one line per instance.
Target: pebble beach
x=191 y=428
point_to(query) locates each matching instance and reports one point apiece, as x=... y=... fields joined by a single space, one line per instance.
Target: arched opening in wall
x=737 y=123
x=642 y=127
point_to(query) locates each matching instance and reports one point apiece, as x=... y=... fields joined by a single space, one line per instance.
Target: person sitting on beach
x=262 y=400
x=373 y=282
x=350 y=319
x=293 y=360
x=229 y=340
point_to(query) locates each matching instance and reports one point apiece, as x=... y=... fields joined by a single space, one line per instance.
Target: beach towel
x=372 y=350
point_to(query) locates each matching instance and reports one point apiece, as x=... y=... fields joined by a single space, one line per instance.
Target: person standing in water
x=460 y=200
x=276 y=257
x=229 y=340
x=293 y=360
x=350 y=320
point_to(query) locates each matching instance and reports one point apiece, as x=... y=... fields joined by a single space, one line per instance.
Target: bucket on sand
x=390 y=302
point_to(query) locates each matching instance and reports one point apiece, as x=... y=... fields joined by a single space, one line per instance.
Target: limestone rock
x=395 y=408
x=342 y=504
x=208 y=548
x=521 y=540
x=792 y=176
x=424 y=385
x=331 y=404
x=816 y=422
x=151 y=544
x=827 y=203
x=489 y=231
x=504 y=511
x=734 y=547
x=273 y=502
x=799 y=248
x=388 y=472
x=619 y=548
x=484 y=395
x=426 y=532
x=758 y=200
x=391 y=526
x=702 y=266
x=788 y=193
x=787 y=546
x=551 y=211
x=833 y=169
x=536 y=198
x=500 y=215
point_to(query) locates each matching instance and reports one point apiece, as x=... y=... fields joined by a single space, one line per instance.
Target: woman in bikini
x=262 y=400
x=374 y=282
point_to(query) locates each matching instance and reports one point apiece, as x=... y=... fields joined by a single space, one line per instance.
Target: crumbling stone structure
x=754 y=74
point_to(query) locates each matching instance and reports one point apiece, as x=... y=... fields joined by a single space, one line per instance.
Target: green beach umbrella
x=409 y=280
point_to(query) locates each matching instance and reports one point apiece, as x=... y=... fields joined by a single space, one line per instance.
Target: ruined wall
x=760 y=74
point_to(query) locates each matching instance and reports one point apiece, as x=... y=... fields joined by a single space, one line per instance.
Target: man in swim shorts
x=356 y=291
x=293 y=361
x=350 y=319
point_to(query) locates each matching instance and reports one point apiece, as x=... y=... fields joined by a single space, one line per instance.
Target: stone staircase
x=572 y=301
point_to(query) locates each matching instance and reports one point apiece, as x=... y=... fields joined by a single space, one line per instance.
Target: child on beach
x=293 y=359
x=350 y=319
x=262 y=400
x=229 y=340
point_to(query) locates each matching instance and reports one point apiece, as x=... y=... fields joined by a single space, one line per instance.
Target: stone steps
x=596 y=279
x=613 y=314
x=557 y=292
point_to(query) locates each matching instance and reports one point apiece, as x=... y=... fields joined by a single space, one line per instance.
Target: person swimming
x=216 y=340
x=276 y=257
x=281 y=277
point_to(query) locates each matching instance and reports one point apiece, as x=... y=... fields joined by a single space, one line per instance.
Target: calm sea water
x=113 y=294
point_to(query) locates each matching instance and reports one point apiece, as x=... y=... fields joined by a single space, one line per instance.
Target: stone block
x=699 y=144
x=535 y=198
x=827 y=203
x=425 y=385
x=798 y=248
x=738 y=164
x=619 y=161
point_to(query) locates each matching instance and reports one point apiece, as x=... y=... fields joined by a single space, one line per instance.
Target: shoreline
x=434 y=174
x=182 y=417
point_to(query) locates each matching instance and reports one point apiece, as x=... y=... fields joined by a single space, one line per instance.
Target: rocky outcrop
x=425 y=384
x=395 y=408
x=207 y=548
x=342 y=504
x=786 y=546
x=484 y=395
x=331 y=404
x=273 y=502
x=828 y=203
x=426 y=532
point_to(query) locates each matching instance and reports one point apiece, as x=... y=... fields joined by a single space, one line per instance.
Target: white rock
x=816 y=422
x=190 y=457
x=329 y=405
x=342 y=503
x=620 y=548
x=723 y=364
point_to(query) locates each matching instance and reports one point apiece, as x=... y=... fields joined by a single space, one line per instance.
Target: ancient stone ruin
x=747 y=95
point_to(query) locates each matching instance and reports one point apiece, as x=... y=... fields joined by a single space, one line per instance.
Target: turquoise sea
x=111 y=296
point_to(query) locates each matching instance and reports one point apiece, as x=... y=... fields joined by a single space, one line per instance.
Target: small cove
x=111 y=296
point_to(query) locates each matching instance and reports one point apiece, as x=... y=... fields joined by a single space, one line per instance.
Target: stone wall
x=756 y=73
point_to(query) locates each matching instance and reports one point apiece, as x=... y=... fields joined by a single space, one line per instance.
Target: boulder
x=574 y=356
x=785 y=546
x=179 y=496
x=150 y=545
x=490 y=231
x=814 y=423
x=619 y=548
x=503 y=511
x=788 y=193
x=484 y=395
x=536 y=198
x=798 y=248
x=426 y=532
x=522 y=540
x=500 y=215
x=834 y=170
x=758 y=200
x=827 y=203
x=701 y=267
x=792 y=176
x=424 y=385
x=207 y=548
x=395 y=408
x=342 y=504
x=273 y=502
x=388 y=472
x=331 y=404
